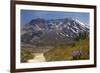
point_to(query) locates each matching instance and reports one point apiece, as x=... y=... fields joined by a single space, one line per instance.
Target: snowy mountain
x=52 y=31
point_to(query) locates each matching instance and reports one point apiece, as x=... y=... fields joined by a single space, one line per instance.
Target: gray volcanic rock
x=42 y=31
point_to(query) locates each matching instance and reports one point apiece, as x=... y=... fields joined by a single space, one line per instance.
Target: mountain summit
x=42 y=31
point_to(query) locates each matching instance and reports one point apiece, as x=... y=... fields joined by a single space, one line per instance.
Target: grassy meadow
x=79 y=50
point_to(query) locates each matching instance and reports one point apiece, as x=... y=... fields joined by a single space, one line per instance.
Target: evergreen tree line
x=82 y=36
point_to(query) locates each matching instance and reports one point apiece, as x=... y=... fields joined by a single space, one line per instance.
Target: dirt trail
x=39 y=57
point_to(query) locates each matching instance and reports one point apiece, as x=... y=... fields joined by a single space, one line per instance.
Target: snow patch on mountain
x=81 y=23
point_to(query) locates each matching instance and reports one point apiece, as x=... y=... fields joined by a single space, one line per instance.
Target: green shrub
x=26 y=55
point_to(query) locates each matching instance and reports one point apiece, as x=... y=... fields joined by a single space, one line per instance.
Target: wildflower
x=76 y=54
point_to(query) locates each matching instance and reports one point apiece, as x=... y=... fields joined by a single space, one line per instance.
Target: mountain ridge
x=39 y=31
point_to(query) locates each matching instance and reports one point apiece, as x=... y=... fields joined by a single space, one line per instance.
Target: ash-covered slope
x=42 y=31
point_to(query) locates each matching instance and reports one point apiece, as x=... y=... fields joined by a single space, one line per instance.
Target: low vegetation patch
x=79 y=50
x=26 y=55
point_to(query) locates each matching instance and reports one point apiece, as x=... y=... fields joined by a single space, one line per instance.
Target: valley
x=54 y=40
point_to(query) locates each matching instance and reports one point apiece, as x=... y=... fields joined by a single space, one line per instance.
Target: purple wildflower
x=76 y=53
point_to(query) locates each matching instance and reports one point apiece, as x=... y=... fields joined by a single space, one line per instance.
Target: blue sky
x=27 y=15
